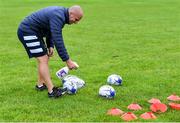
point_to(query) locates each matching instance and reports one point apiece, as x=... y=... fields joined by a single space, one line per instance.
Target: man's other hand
x=50 y=51
x=71 y=64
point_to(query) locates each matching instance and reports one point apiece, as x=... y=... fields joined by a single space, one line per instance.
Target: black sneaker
x=41 y=88
x=57 y=92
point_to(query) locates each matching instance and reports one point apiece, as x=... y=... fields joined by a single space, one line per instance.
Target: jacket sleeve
x=56 y=25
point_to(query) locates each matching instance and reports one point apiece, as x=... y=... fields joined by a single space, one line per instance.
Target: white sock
x=51 y=91
x=40 y=86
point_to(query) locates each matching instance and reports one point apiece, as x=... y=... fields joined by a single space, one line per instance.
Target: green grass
x=138 y=39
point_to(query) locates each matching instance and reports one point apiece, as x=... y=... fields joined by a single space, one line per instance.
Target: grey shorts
x=33 y=43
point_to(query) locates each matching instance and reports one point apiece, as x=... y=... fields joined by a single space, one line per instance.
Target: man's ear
x=71 y=12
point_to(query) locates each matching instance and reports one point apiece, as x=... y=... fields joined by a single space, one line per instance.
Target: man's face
x=74 y=18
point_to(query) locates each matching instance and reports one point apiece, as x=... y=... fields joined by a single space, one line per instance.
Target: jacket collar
x=67 y=15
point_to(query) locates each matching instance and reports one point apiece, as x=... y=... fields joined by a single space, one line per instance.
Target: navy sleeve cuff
x=65 y=58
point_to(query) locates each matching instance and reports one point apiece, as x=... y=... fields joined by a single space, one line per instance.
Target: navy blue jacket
x=48 y=22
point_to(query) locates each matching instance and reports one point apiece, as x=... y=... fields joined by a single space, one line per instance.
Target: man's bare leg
x=43 y=71
x=40 y=78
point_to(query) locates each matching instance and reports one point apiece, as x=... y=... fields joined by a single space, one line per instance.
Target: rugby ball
x=107 y=91
x=74 y=79
x=70 y=87
x=114 y=79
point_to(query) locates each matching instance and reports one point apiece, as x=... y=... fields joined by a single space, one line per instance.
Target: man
x=48 y=23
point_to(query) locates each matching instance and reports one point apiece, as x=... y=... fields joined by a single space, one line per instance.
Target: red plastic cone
x=174 y=106
x=134 y=106
x=173 y=97
x=115 y=112
x=148 y=115
x=129 y=116
x=158 y=107
x=154 y=100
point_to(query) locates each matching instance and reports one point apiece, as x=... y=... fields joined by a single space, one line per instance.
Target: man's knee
x=43 y=59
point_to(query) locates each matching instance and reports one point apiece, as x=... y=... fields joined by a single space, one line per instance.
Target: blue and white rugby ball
x=107 y=91
x=79 y=82
x=70 y=86
x=114 y=79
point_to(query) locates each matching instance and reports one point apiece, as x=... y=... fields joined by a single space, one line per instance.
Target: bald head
x=75 y=14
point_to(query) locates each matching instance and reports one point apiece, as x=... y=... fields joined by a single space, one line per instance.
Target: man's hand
x=50 y=51
x=72 y=65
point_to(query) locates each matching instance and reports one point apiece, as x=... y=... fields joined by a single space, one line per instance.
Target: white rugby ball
x=70 y=86
x=79 y=82
x=107 y=91
x=114 y=79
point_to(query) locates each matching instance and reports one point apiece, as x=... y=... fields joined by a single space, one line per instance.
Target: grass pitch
x=138 y=39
